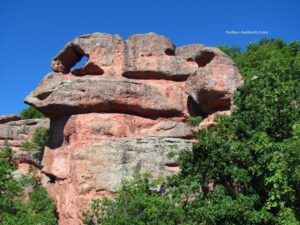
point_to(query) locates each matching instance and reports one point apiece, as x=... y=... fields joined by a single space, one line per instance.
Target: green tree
x=31 y=113
x=252 y=157
x=196 y=120
x=14 y=208
x=232 y=51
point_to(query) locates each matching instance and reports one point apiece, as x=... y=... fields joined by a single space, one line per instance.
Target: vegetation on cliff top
x=31 y=113
x=245 y=170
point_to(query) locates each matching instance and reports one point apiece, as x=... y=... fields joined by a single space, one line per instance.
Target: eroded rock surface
x=8 y=118
x=125 y=108
x=15 y=131
x=162 y=77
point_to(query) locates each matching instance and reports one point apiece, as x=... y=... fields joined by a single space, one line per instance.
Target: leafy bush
x=31 y=113
x=136 y=202
x=232 y=51
x=14 y=208
x=195 y=120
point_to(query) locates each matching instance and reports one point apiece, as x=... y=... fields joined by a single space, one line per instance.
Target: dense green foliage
x=196 y=120
x=15 y=208
x=246 y=169
x=38 y=141
x=232 y=51
x=31 y=113
x=136 y=203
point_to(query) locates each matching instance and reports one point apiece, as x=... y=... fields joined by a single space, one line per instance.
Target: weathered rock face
x=125 y=108
x=15 y=131
x=213 y=84
x=162 y=78
x=8 y=118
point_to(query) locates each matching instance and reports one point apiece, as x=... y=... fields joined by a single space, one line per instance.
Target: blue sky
x=32 y=32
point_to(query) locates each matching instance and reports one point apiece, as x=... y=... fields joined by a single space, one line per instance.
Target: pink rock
x=66 y=96
x=104 y=52
x=213 y=85
x=98 y=151
x=125 y=108
x=151 y=56
x=8 y=118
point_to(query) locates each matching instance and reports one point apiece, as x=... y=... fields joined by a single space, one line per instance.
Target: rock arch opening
x=81 y=63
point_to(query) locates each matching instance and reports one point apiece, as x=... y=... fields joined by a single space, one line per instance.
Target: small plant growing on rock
x=195 y=121
x=38 y=141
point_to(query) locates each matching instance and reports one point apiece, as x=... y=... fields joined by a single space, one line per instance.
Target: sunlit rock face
x=125 y=108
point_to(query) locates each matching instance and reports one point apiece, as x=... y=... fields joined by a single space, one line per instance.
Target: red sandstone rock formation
x=125 y=108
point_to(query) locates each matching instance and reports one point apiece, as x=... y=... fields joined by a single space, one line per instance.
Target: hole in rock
x=170 y=52
x=89 y=69
x=205 y=58
x=172 y=167
x=44 y=95
x=31 y=123
x=171 y=164
x=51 y=177
x=80 y=63
x=213 y=101
x=194 y=109
x=56 y=136
x=69 y=58
x=155 y=75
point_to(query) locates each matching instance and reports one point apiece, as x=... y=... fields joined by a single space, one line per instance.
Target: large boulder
x=105 y=53
x=125 y=108
x=214 y=83
x=151 y=56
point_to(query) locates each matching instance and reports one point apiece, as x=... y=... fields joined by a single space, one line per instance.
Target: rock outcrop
x=8 y=118
x=125 y=108
x=15 y=131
